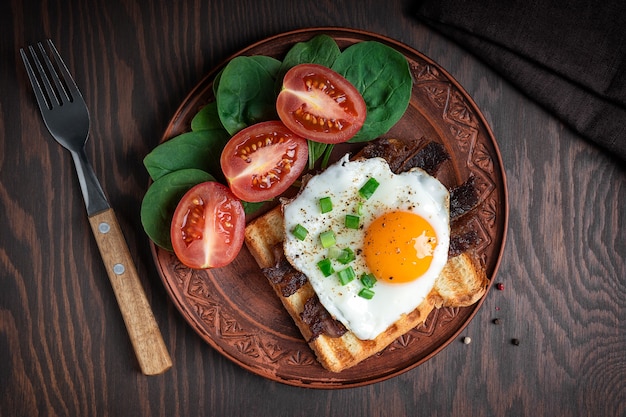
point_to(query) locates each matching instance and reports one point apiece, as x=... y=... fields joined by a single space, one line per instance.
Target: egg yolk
x=399 y=246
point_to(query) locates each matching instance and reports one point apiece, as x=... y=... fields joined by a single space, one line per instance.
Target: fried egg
x=340 y=236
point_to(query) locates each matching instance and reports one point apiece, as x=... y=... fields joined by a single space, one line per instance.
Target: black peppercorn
x=515 y=342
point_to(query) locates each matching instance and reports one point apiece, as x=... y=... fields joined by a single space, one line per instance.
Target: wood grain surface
x=64 y=350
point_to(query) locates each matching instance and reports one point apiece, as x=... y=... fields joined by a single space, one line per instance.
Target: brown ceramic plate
x=235 y=310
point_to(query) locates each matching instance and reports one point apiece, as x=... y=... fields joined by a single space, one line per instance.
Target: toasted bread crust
x=461 y=283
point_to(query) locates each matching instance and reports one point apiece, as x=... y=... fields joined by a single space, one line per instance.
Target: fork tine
x=61 y=93
x=42 y=100
x=53 y=95
x=72 y=91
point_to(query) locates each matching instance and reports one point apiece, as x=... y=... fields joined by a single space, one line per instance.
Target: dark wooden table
x=64 y=350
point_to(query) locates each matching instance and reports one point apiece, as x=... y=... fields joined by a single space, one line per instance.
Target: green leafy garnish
x=326 y=205
x=246 y=94
x=327 y=239
x=368 y=280
x=326 y=267
x=321 y=49
x=346 y=275
x=352 y=221
x=197 y=149
x=383 y=77
x=366 y=293
x=299 y=232
x=319 y=150
x=346 y=256
x=207 y=118
x=368 y=189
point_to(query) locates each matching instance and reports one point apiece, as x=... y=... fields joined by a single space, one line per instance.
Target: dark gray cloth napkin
x=569 y=56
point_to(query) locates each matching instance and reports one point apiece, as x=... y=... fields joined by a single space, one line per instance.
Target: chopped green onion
x=299 y=231
x=359 y=208
x=368 y=280
x=326 y=267
x=346 y=256
x=327 y=238
x=334 y=252
x=346 y=275
x=368 y=188
x=326 y=204
x=366 y=293
x=352 y=221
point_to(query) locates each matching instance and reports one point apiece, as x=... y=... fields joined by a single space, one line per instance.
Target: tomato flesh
x=319 y=104
x=207 y=229
x=261 y=161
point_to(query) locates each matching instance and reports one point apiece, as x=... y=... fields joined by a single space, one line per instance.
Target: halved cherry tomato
x=319 y=104
x=208 y=226
x=263 y=160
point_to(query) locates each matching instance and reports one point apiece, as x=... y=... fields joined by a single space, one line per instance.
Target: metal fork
x=66 y=116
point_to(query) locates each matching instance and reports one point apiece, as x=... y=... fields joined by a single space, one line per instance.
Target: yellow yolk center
x=399 y=246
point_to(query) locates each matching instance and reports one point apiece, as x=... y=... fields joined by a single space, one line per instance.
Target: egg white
x=413 y=191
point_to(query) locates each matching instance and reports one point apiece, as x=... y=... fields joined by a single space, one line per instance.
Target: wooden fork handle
x=141 y=325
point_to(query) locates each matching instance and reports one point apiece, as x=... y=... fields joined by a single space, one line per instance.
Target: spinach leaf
x=245 y=94
x=250 y=208
x=321 y=49
x=382 y=76
x=161 y=199
x=319 y=150
x=216 y=82
x=207 y=118
x=197 y=149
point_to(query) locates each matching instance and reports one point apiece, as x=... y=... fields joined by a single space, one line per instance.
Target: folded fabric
x=570 y=57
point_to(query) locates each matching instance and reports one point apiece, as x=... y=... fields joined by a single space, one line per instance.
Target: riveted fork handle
x=141 y=325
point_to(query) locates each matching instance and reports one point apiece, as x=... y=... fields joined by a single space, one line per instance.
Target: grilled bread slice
x=462 y=283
